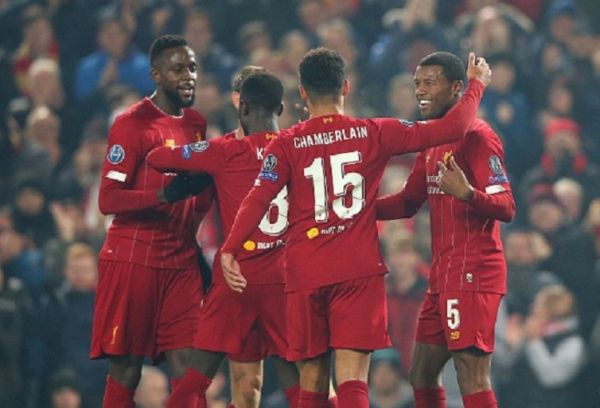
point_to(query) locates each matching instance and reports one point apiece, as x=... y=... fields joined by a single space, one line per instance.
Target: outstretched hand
x=452 y=180
x=478 y=68
x=233 y=275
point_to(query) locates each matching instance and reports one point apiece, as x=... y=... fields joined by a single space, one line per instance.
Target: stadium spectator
x=67 y=314
x=213 y=58
x=563 y=156
x=38 y=42
x=524 y=250
x=550 y=354
x=64 y=391
x=116 y=61
x=153 y=390
x=15 y=314
x=19 y=258
x=571 y=255
x=389 y=388
x=407 y=284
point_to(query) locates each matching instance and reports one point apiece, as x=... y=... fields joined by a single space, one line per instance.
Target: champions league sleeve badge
x=267 y=172
x=116 y=154
x=498 y=176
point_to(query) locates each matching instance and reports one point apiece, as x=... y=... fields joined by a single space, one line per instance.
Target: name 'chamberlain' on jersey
x=334 y=136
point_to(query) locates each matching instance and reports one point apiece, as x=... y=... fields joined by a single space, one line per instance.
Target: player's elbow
x=105 y=206
x=509 y=212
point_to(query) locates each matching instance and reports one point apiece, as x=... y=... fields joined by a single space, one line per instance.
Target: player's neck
x=165 y=105
x=324 y=109
x=262 y=124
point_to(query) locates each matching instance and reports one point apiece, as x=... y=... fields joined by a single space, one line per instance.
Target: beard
x=173 y=95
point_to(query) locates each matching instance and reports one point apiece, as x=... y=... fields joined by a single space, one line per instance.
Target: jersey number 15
x=342 y=183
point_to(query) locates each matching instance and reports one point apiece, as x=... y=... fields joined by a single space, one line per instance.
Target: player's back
x=234 y=178
x=161 y=235
x=336 y=164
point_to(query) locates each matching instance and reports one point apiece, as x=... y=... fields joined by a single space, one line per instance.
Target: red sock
x=117 y=395
x=292 y=394
x=353 y=393
x=333 y=402
x=483 y=399
x=230 y=405
x=190 y=392
x=310 y=399
x=430 y=398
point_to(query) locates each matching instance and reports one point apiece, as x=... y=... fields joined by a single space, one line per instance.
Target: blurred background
x=69 y=67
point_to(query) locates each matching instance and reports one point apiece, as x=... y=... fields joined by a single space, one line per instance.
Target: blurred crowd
x=69 y=67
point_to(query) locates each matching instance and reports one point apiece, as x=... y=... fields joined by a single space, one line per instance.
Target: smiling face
x=435 y=94
x=175 y=76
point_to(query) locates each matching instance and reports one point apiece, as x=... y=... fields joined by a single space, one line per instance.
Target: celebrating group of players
x=300 y=276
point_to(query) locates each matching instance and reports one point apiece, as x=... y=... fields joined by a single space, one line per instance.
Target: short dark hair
x=322 y=72
x=452 y=67
x=242 y=74
x=262 y=90
x=164 y=42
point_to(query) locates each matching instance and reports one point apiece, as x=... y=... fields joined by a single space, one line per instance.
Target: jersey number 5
x=342 y=183
x=452 y=314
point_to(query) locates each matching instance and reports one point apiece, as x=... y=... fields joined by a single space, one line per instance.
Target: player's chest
x=433 y=158
x=171 y=136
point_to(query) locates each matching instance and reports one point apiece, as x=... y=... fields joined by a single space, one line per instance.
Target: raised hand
x=453 y=181
x=233 y=275
x=478 y=68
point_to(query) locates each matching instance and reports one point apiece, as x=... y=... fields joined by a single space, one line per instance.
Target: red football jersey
x=465 y=237
x=234 y=165
x=332 y=166
x=145 y=231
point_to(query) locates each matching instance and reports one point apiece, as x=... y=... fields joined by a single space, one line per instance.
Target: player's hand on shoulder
x=478 y=68
x=452 y=180
x=232 y=272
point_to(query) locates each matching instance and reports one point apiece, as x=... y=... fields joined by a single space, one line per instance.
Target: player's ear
x=303 y=93
x=345 y=87
x=155 y=75
x=279 y=110
x=235 y=99
x=457 y=87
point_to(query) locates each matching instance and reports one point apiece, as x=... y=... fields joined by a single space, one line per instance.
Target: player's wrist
x=468 y=194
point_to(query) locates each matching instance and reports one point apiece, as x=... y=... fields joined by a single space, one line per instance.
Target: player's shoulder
x=194 y=116
x=142 y=109
x=482 y=129
x=134 y=116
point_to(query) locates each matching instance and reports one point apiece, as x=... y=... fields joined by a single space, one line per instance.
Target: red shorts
x=346 y=315
x=459 y=320
x=246 y=326
x=144 y=311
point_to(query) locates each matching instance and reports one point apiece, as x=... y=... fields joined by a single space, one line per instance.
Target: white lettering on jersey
x=334 y=136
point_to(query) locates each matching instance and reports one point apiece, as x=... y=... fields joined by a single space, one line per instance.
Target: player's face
x=435 y=94
x=177 y=76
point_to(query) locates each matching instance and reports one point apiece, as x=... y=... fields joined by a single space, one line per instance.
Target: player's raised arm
x=118 y=171
x=405 y=203
x=204 y=156
x=402 y=137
